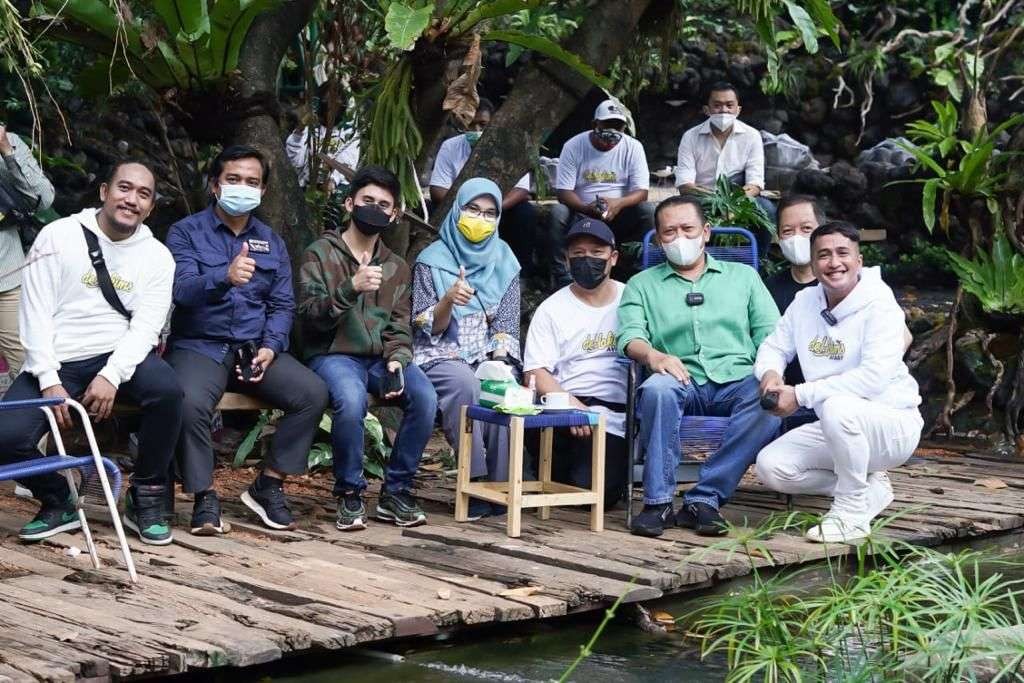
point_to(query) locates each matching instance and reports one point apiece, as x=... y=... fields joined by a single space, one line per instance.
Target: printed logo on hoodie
x=827 y=347
x=120 y=284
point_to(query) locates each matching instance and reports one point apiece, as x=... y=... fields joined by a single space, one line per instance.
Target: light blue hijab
x=490 y=265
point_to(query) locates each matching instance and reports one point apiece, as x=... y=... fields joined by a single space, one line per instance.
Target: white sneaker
x=835 y=528
x=880 y=494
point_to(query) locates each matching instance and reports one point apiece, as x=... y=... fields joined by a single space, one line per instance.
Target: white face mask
x=723 y=121
x=238 y=200
x=684 y=251
x=796 y=249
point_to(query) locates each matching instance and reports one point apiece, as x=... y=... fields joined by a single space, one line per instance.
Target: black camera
x=694 y=299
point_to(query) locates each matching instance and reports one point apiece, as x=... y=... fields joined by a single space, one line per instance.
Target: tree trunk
x=283 y=206
x=546 y=92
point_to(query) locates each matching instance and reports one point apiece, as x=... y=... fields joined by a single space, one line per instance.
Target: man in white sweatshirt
x=848 y=333
x=78 y=346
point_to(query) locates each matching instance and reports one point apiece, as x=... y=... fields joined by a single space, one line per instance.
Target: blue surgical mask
x=472 y=136
x=238 y=200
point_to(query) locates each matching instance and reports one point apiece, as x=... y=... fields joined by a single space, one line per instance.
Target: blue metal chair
x=91 y=467
x=698 y=433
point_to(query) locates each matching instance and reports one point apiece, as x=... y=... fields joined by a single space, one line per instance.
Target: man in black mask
x=354 y=304
x=570 y=348
x=602 y=174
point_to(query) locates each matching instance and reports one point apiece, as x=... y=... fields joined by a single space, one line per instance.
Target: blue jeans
x=348 y=379
x=663 y=400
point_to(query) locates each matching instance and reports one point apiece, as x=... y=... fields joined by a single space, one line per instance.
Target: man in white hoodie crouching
x=78 y=345
x=847 y=333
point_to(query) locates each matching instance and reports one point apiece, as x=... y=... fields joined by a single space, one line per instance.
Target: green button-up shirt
x=717 y=340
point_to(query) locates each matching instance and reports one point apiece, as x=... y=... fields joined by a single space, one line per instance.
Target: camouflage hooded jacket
x=335 y=318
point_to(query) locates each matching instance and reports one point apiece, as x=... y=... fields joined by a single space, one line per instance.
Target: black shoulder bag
x=102 y=274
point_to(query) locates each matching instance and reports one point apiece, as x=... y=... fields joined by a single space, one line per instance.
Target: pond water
x=542 y=651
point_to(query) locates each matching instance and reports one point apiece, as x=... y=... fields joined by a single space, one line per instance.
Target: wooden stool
x=517 y=494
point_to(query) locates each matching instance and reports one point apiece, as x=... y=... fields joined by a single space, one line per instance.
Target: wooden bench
x=233 y=401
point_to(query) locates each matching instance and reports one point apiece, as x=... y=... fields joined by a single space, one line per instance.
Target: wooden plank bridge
x=254 y=595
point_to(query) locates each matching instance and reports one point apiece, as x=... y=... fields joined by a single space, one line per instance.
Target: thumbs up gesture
x=460 y=293
x=242 y=267
x=367 y=277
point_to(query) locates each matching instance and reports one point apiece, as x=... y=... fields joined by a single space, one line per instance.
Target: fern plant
x=188 y=45
x=996 y=279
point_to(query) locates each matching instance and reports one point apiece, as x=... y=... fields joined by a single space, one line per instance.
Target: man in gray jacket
x=20 y=175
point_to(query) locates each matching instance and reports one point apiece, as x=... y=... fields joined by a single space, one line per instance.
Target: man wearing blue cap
x=571 y=348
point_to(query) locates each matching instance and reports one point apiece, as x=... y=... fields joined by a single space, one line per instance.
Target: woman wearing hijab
x=465 y=310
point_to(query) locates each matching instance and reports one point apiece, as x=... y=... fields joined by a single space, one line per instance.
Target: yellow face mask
x=474 y=228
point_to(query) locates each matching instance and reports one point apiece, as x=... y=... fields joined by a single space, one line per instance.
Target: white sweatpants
x=833 y=457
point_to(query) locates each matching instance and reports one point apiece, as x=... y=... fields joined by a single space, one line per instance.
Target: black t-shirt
x=783 y=289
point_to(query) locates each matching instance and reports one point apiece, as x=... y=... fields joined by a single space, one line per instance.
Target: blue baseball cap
x=599 y=230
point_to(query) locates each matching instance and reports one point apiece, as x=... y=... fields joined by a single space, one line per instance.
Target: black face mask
x=588 y=271
x=370 y=220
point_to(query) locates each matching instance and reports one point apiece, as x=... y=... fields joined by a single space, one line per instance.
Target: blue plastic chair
x=698 y=433
x=103 y=469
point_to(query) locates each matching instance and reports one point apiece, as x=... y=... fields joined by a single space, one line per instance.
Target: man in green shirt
x=696 y=323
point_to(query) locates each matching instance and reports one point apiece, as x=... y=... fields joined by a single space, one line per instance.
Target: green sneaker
x=400 y=508
x=50 y=521
x=144 y=513
x=351 y=512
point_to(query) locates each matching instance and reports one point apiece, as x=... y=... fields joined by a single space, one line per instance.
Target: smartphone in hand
x=394 y=382
x=244 y=356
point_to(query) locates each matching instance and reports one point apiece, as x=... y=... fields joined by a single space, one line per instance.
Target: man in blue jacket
x=233 y=311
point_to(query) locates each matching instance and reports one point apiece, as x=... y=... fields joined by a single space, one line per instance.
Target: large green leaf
x=228 y=29
x=405 y=24
x=249 y=442
x=549 y=48
x=822 y=13
x=96 y=15
x=802 y=20
x=928 y=202
x=493 y=10
x=178 y=69
x=923 y=158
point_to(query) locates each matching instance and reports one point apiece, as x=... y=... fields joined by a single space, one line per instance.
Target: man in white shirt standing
x=848 y=333
x=602 y=174
x=518 y=224
x=571 y=348
x=78 y=345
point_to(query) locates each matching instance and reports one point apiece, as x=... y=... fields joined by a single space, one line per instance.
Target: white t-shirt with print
x=575 y=342
x=590 y=172
x=451 y=157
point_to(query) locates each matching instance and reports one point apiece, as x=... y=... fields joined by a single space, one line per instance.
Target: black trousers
x=287 y=384
x=154 y=387
x=570 y=461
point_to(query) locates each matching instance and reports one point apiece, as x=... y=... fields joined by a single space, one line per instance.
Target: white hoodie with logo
x=64 y=316
x=861 y=355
